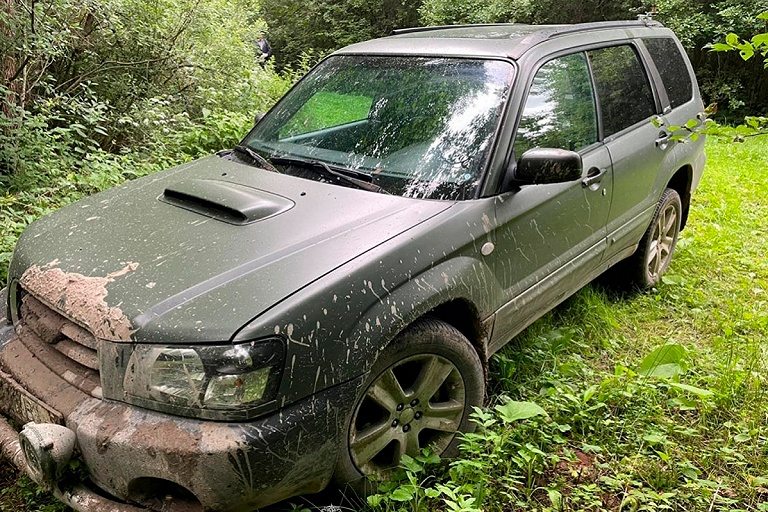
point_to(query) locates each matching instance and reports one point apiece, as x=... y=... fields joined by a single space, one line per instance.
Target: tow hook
x=47 y=449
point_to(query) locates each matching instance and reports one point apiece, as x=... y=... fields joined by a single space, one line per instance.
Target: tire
x=419 y=393
x=651 y=259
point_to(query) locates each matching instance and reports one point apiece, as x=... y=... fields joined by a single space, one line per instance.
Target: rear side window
x=672 y=68
x=624 y=92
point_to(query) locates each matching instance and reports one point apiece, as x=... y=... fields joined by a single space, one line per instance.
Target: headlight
x=185 y=379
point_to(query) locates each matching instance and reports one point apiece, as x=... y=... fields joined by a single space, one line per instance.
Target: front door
x=551 y=237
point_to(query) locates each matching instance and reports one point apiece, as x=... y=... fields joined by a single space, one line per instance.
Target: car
x=317 y=302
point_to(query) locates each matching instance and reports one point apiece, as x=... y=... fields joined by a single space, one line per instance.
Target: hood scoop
x=225 y=201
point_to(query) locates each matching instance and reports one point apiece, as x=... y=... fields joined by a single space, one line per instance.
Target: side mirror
x=258 y=118
x=540 y=166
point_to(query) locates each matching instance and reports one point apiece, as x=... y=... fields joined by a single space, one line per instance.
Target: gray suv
x=323 y=299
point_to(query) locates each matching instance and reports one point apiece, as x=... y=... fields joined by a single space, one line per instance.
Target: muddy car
x=322 y=299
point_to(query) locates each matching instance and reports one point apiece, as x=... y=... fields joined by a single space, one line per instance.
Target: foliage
x=321 y=26
x=747 y=49
x=753 y=125
x=724 y=78
x=124 y=72
x=20 y=494
x=448 y=12
x=758 y=45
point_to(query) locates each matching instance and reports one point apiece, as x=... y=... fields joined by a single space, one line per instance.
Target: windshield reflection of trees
x=430 y=125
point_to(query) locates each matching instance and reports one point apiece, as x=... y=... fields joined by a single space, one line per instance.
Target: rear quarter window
x=671 y=65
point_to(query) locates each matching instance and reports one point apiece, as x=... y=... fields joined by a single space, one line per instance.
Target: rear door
x=637 y=147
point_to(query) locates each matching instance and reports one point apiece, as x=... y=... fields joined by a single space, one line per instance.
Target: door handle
x=594 y=176
x=663 y=139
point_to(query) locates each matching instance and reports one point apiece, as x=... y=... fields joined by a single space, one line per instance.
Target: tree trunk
x=9 y=62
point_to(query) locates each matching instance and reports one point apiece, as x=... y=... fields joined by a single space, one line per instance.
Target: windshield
x=416 y=127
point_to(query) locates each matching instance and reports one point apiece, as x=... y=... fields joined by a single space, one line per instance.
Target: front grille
x=60 y=344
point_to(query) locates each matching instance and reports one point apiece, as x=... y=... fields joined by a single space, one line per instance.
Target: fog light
x=47 y=449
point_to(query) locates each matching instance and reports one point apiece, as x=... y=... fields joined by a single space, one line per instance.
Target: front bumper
x=158 y=461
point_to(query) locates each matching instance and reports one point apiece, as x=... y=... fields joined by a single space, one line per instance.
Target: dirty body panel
x=133 y=453
x=207 y=333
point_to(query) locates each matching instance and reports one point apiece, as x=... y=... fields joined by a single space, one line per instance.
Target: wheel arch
x=681 y=182
x=464 y=317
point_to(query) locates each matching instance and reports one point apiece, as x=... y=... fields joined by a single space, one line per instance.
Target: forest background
x=96 y=92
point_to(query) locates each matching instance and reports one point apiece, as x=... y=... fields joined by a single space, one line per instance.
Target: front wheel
x=654 y=253
x=419 y=394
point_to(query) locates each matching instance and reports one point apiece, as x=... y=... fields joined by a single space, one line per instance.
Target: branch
x=107 y=65
x=20 y=69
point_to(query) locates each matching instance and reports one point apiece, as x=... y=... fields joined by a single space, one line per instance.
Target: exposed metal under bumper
x=79 y=497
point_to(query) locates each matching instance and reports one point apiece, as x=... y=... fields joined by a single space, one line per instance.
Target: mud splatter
x=81 y=298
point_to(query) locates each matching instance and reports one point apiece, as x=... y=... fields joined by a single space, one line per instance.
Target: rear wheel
x=419 y=393
x=654 y=253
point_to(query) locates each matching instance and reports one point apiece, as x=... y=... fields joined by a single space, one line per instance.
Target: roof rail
x=411 y=30
x=552 y=31
x=547 y=31
x=543 y=32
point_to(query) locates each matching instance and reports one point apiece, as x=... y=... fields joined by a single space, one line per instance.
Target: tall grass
x=624 y=424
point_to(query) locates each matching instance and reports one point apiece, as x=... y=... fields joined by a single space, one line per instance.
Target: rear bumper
x=134 y=456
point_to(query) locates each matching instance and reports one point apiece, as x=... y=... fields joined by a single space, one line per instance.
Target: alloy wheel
x=417 y=402
x=663 y=242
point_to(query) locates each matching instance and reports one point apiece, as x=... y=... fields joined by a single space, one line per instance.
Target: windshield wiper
x=317 y=164
x=240 y=148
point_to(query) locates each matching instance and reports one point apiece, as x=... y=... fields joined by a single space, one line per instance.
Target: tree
x=107 y=73
x=297 y=27
x=758 y=45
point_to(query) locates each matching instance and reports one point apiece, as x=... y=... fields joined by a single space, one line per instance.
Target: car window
x=327 y=110
x=623 y=89
x=418 y=127
x=671 y=65
x=560 y=109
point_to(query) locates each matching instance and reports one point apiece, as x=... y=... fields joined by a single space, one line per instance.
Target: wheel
x=419 y=393
x=654 y=253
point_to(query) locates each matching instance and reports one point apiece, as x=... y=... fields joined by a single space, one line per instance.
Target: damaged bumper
x=138 y=459
x=77 y=496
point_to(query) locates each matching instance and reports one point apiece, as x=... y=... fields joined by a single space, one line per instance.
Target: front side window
x=416 y=127
x=560 y=109
x=623 y=88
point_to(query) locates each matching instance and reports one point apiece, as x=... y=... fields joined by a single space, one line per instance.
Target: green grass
x=614 y=436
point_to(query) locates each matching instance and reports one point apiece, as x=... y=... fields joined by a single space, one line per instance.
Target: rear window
x=671 y=65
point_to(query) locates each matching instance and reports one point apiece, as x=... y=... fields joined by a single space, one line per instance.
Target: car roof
x=505 y=40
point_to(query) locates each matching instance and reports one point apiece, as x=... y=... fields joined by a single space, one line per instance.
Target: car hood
x=190 y=254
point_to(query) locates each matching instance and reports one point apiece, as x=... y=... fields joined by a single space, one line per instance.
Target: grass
x=622 y=424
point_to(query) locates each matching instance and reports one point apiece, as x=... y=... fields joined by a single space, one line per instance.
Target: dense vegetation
x=298 y=25
x=631 y=402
